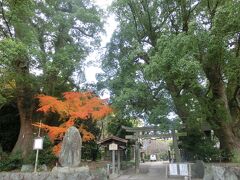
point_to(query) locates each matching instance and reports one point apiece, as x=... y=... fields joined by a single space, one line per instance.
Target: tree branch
x=5 y=20
x=83 y=32
x=144 y=56
x=135 y=22
x=238 y=45
x=236 y=96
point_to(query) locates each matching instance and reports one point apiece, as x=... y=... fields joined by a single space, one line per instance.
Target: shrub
x=11 y=162
x=235 y=156
x=46 y=155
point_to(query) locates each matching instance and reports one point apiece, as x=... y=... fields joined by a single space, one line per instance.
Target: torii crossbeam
x=138 y=135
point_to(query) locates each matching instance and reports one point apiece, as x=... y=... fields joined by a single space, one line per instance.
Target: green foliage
x=199 y=147
x=10 y=50
x=11 y=162
x=71 y=32
x=235 y=156
x=185 y=55
x=15 y=161
x=46 y=155
x=114 y=126
x=49 y=37
x=90 y=151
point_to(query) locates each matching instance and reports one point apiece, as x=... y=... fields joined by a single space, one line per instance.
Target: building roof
x=111 y=139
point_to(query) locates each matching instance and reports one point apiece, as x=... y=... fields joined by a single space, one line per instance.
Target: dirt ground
x=93 y=165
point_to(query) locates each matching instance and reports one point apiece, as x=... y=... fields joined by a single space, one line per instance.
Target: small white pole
x=36 y=160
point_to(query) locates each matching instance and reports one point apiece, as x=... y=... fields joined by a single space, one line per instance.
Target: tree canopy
x=177 y=56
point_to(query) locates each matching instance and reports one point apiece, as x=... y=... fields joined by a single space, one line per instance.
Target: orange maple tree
x=73 y=106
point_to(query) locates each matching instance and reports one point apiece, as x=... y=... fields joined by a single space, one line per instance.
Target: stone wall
x=215 y=171
x=57 y=174
x=221 y=172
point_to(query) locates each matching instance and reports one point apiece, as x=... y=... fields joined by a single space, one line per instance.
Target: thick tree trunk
x=180 y=108
x=24 y=143
x=221 y=116
x=228 y=140
x=24 y=89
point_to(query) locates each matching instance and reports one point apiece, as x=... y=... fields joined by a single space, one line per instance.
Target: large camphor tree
x=180 y=56
x=48 y=38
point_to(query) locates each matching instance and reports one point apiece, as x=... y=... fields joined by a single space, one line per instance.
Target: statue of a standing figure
x=70 y=155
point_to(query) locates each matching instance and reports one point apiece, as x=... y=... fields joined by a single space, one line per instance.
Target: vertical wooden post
x=137 y=156
x=134 y=153
x=113 y=161
x=175 y=146
x=119 y=160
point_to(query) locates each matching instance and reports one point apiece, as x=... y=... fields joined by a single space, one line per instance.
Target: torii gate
x=138 y=134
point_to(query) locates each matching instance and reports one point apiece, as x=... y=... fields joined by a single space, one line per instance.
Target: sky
x=93 y=61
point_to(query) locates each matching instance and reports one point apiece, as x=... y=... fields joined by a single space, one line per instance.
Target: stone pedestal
x=71 y=173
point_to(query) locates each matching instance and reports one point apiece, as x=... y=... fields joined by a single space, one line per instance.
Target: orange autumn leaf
x=52 y=131
x=57 y=149
x=73 y=106
x=87 y=136
x=51 y=104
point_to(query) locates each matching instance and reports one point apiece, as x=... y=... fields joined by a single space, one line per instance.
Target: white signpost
x=113 y=147
x=183 y=169
x=173 y=171
x=179 y=169
x=38 y=143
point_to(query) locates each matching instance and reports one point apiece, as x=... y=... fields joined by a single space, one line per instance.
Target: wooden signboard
x=38 y=143
x=113 y=147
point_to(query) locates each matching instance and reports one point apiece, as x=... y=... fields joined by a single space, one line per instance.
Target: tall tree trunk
x=228 y=140
x=220 y=111
x=25 y=106
x=25 y=138
x=24 y=91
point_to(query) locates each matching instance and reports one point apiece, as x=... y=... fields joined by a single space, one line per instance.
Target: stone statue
x=70 y=155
